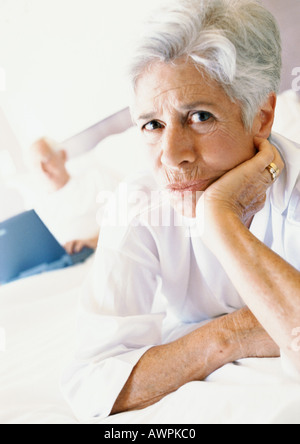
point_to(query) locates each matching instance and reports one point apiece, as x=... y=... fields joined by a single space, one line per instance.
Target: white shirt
x=287 y=116
x=152 y=284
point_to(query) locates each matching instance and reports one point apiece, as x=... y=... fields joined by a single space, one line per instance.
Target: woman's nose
x=177 y=148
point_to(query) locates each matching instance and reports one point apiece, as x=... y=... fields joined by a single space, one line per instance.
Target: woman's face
x=193 y=132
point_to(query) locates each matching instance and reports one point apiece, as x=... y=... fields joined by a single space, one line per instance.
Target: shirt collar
x=282 y=190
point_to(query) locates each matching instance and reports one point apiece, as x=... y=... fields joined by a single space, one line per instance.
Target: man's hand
x=242 y=191
x=78 y=245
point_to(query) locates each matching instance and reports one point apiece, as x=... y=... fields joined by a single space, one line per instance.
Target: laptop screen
x=25 y=243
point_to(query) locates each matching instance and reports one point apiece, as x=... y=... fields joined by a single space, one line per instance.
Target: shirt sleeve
x=117 y=324
x=292 y=229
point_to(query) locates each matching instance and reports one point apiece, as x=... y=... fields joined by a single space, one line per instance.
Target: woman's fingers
x=267 y=154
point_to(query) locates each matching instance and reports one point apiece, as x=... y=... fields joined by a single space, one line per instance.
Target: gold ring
x=274 y=171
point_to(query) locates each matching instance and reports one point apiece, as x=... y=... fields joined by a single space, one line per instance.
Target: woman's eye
x=201 y=116
x=152 y=126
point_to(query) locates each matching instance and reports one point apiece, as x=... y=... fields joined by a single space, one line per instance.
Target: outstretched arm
x=166 y=368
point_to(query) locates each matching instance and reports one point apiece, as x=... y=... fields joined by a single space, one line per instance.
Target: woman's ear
x=264 y=119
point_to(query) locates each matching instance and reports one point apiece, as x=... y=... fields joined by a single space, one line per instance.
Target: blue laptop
x=28 y=248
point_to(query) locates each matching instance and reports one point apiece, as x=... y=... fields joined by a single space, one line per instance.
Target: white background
x=65 y=62
x=63 y=67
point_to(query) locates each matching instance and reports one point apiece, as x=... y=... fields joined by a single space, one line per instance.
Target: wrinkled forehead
x=174 y=85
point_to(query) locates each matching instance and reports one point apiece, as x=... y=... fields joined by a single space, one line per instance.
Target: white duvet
x=38 y=316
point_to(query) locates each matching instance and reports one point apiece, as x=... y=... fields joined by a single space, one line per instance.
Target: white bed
x=39 y=317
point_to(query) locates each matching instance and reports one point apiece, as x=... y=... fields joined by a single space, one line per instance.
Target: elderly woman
x=205 y=79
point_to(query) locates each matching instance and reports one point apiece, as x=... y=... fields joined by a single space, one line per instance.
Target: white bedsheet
x=39 y=317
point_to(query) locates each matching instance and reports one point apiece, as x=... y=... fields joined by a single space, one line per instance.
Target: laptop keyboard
x=65 y=261
x=82 y=256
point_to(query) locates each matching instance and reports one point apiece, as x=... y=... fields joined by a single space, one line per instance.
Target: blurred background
x=63 y=68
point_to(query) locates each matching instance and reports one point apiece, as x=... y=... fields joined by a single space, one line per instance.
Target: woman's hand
x=242 y=191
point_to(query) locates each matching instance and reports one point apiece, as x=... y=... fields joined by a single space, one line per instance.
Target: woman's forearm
x=164 y=369
x=268 y=284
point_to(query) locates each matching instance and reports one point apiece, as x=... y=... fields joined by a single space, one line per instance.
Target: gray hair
x=237 y=42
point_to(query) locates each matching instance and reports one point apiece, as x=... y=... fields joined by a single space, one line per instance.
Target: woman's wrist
x=220 y=226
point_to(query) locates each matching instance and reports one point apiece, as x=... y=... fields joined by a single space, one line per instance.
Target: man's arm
x=268 y=284
x=164 y=369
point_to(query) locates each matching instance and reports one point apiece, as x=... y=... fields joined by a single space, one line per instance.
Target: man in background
x=66 y=203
